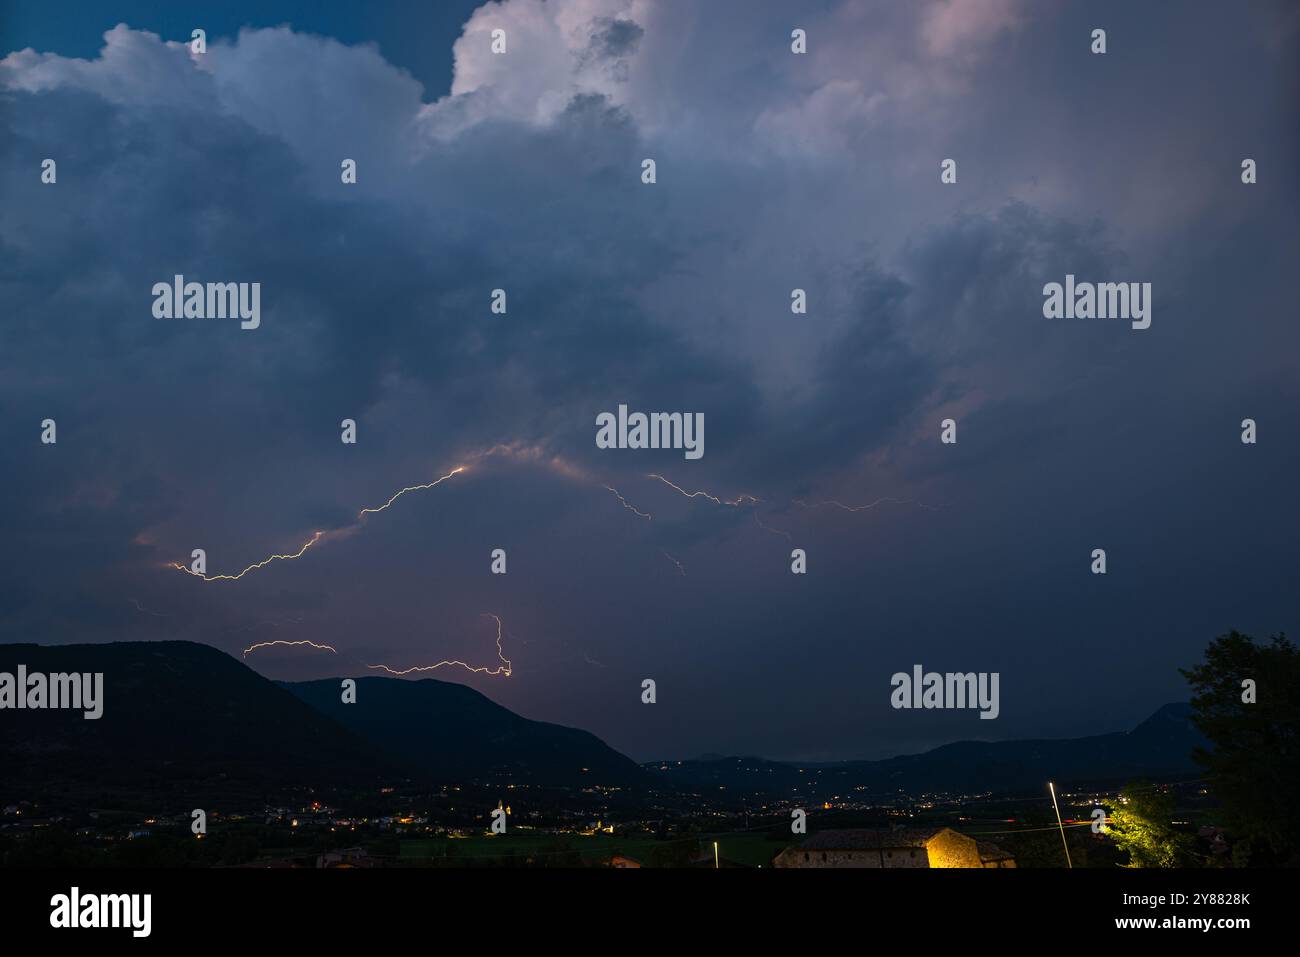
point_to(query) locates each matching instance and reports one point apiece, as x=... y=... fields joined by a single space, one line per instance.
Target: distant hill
x=179 y=717
x=452 y=733
x=183 y=719
x=1159 y=747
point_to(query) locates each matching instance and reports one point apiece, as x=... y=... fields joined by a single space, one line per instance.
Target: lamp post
x=1068 y=863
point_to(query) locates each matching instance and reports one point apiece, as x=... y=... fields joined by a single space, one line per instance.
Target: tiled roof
x=991 y=852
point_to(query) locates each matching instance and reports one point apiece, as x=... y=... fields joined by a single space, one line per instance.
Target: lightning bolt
x=743 y=499
x=504 y=668
x=627 y=505
x=869 y=505
x=751 y=500
x=268 y=644
x=679 y=565
x=145 y=611
x=737 y=502
x=410 y=488
x=317 y=536
x=534 y=454
x=740 y=500
x=769 y=528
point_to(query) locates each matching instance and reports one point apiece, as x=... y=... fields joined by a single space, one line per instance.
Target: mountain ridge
x=1158 y=746
x=183 y=715
x=505 y=744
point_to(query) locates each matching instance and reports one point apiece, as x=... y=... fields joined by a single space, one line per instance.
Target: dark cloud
x=615 y=38
x=774 y=172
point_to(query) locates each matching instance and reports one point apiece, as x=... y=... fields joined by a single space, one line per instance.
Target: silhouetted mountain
x=1159 y=747
x=183 y=720
x=178 y=717
x=452 y=733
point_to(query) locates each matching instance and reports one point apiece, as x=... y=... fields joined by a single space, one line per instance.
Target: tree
x=676 y=852
x=1140 y=825
x=1255 y=763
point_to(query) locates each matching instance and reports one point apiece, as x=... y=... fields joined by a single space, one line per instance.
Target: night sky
x=775 y=171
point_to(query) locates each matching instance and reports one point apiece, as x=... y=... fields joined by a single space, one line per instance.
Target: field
x=749 y=849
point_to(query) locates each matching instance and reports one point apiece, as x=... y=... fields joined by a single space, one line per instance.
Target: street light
x=1068 y=863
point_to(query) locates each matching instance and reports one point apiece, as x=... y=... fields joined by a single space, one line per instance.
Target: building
x=1217 y=839
x=894 y=847
x=993 y=856
x=348 y=857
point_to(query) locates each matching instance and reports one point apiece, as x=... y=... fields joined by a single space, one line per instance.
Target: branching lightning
x=503 y=669
x=742 y=500
x=531 y=454
x=317 y=536
x=268 y=644
x=627 y=505
x=737 y=502
x=752 y=502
